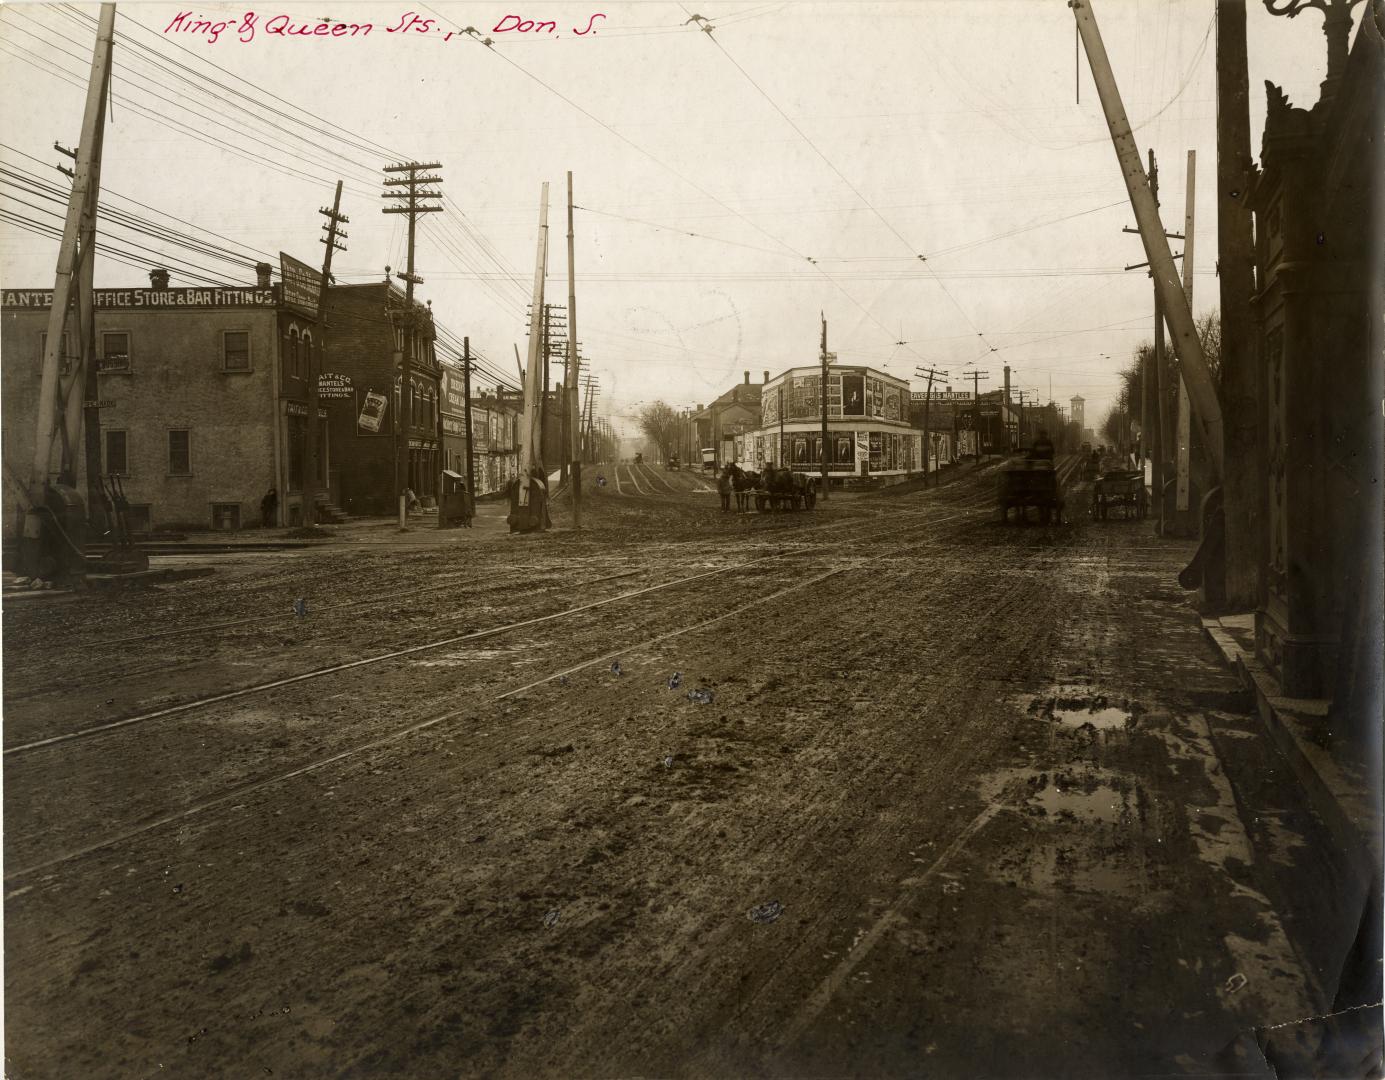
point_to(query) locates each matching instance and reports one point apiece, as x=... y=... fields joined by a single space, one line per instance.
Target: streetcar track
x=196 y=703
x=789 y=544
x=400 y=733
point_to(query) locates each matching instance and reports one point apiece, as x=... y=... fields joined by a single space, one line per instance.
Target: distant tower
x=1077 y=416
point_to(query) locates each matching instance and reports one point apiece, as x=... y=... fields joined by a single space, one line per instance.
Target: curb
x=1346 y=809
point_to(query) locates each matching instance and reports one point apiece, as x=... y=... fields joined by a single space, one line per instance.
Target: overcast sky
x=815 y=150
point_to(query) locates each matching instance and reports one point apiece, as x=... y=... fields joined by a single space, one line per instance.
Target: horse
x=744 y=484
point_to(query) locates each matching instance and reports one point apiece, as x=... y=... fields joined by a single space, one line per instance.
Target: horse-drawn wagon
x=1120 y=488
x=780 y=489
x=1029 y=483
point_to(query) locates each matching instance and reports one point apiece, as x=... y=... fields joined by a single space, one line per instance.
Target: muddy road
x=887 y=789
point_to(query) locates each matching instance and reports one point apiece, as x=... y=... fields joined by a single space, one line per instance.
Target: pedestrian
x=269 y=506
x=1042 y=449
x=724 y=488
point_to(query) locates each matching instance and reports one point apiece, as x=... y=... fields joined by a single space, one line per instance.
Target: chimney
x=262 y=272
x=158 y=278
x=1007 y=384
x=747 y=378
x=766 y=376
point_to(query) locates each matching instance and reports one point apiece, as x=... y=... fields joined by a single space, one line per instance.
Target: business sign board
x=301 y=284
x=920 y=396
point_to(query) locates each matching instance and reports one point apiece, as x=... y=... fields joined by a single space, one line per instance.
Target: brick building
x=367 y=327
x=203 y=394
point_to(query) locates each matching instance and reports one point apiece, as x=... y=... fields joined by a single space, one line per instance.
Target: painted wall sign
x=150 y=299
x=334 y=387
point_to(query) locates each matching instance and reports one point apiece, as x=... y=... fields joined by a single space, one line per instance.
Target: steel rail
x=265 y=782
x=273 y=684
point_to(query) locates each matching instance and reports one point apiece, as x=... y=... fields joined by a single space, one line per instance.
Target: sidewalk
x=1341 y=799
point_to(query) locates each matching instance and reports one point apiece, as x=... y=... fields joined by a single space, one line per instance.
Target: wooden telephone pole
x=334 y=220
x=529 y=451
x=1245 y=488
x=75 y=274
x=931 y=374
x=466 y=394
x=1201 y=388
x=822 y=403
x=571 y=440
x=415 y=202
x=976 y=377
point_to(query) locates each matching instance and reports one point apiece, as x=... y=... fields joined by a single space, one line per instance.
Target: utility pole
x=466 y=394
x=976 y=377
x=334 y=220
x=822 y=403
x=75 y=259
x=781 y=427
x=930 y=374
x=1244 y=475
x=1183 y=436
x=1162 y=417
x=415 y=202
x=531 y=450
x=1161 y=413
x=1201 y=388
x=570 y=437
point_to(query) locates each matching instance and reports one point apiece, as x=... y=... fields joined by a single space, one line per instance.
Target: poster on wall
x=853 y=395
x=372 y=412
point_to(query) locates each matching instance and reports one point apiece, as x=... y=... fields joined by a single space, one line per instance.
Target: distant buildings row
x=204 y=399
x=876 y=425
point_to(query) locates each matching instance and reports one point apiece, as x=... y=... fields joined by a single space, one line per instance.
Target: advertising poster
x=371 y=412
x=853 y=395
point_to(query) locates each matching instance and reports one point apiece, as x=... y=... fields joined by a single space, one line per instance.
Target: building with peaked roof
x=733 y=414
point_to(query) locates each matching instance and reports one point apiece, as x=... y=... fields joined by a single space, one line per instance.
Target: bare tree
x=659 y=422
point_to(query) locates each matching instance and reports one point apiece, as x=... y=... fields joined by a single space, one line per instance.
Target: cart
x=1030 y=483
x=1125 y=489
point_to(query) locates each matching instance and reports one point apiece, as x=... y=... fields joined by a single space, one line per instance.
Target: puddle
x=1102 y=804
x=1102 y=719
x=1078 y=706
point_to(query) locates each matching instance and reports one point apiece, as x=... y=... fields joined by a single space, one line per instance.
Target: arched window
x=307 y=355
x=293 y=352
